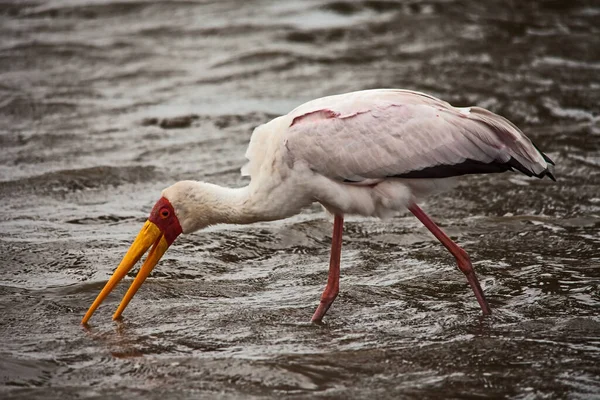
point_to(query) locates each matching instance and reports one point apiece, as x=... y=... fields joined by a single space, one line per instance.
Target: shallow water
x=85 y=88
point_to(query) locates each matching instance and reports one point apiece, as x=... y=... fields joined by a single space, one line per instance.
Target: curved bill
x=149 y=235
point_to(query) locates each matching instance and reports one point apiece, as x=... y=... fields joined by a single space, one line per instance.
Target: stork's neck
x=200 y=204
x=231 y=205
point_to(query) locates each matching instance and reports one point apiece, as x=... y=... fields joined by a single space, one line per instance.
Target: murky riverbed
x=87 y=90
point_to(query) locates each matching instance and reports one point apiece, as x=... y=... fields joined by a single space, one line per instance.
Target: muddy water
x=88 y=93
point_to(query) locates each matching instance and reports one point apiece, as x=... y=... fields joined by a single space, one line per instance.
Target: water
x=84 y=88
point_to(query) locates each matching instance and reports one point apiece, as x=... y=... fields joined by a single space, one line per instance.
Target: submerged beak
x=150 y=235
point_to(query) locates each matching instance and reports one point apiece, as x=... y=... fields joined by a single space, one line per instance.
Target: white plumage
x=374 y=152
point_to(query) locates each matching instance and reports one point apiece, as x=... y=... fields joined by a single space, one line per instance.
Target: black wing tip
x=475 y=167
x=547 y=159
x=543 y=174
x=549 y=171
x=544 y=155
x=466 y=167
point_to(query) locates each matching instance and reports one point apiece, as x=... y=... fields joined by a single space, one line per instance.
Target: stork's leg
x=462 y=258
x=333 y=281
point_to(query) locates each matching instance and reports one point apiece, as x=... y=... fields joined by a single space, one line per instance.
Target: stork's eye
x=164 y=213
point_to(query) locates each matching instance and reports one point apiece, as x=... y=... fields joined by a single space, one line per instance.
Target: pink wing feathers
x=396 y=133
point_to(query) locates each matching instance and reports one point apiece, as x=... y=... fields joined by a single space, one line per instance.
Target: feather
x=396 y=133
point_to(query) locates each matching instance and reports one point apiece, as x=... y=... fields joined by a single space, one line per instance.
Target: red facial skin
x=163 y=216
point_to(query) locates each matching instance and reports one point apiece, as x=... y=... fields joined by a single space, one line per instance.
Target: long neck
x=200 y=204
x=232 y=205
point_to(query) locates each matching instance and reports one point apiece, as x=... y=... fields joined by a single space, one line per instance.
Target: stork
x=370 y=153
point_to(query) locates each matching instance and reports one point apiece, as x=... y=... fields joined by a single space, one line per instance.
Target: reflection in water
x=103 y=104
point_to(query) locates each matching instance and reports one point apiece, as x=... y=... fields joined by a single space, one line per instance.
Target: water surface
x=87 y=93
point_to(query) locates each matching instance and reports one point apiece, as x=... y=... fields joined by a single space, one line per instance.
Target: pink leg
x=462 y=258
x=333 y=281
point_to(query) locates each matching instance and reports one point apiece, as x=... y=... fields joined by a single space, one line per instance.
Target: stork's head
x=159 y=231
x=184 y=207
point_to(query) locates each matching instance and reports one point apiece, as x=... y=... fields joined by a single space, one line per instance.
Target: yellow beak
x=150 y=235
